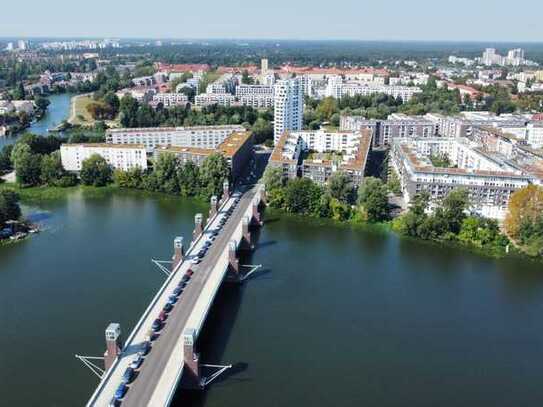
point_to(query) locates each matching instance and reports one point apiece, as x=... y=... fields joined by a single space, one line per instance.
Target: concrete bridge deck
x=160 y=373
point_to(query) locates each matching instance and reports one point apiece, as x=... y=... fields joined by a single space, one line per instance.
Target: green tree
x=340 y=187
x=9 y=206
x=165 y=171
x=188 y=177
x=372 y=197
x=5 y=158
x=133 y=178
x=95 y=171
x=51 y=169
x=27 y=165
x=213 y=172
x=302 y=196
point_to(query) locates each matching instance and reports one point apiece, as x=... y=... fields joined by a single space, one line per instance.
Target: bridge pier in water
x=198 y=226
x=191 y=378
x=113 y=344
x=213 y=207
x=178 y=252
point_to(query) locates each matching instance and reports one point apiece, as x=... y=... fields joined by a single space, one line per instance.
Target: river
x=338 y=317
x=57 y=111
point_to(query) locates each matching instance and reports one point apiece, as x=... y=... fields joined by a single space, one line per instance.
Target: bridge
x=172 y=360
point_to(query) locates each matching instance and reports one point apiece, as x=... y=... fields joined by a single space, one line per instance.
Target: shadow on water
x=215 y=336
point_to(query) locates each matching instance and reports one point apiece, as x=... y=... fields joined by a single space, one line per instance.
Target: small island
x=12 y=226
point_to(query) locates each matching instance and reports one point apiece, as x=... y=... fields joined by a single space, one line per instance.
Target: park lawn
x=79 y=114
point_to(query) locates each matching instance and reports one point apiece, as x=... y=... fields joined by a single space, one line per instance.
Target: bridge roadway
x=160 y=373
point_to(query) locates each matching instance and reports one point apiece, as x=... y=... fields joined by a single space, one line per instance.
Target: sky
x=461 y=20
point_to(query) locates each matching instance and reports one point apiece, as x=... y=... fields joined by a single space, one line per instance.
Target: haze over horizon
x=418 y=20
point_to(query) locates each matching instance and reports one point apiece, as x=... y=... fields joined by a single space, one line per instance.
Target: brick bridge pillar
x=198 y=226
x=257 y=219
x=113 y=344
x=191 y=373
x=178 y=252
x=245 y=223
x=213 y=208
x=225 y=190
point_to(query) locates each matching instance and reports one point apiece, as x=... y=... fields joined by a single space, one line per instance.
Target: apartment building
x=123 y=157
x=256 y=96
x=318 y=154
x=396 y=126
x=288 y=106
x=208 y=99
x=489 y=179
x=236 y=147
x=170 y=99
x=152 y=137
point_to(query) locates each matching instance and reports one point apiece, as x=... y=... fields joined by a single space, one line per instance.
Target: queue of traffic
x=160 y=322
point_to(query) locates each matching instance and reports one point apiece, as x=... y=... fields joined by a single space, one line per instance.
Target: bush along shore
x=449 y=222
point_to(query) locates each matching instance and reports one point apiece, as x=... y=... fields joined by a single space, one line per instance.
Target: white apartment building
x=256 y=96
x=288 y=106
x=208 y=99
x=152 y=137
x=171 y=99
x=365 y=89
x=534 y=134
x=489 y=180
x=123 y=157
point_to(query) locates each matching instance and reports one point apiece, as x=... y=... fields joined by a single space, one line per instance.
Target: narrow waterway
x=337 y=317
x=58 y=110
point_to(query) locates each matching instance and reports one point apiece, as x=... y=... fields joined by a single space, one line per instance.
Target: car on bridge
x=177 y=290
x=157 y=324
x=172 y=299
x=128 y=375
x=145 y=348
x=120 y=392
x=162 y=316
x=136 y=363
x=196 y=260
x=167 y=307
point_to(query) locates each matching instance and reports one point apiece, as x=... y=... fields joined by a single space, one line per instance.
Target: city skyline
x=347 y=20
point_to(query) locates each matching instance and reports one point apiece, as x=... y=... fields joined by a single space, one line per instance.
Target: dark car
x=157 y=324
x=182 y=284
x=177 y=290
x=185 y=279
x=145 y=348
x=128 y=375
x=121 y=391
x=162 y=316
x=167 y=307
x=172 y=299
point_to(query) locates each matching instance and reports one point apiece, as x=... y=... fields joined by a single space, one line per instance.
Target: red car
x=162 y=316
x=190 y=272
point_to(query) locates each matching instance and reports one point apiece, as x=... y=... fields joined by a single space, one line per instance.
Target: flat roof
x=104 y=145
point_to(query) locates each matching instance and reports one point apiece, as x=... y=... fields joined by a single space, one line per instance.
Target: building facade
x=288 y=106
x=124 y=157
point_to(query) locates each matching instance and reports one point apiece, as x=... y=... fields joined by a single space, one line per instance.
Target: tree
x=52 y=172
x=454 y=208
x=302 y=196
x=340 y=187
x=27 y=165
x=5 y=158
x=262 y=130
x=326 y=108
x=95 y=171
x=213 y=172
x=245 y=78
x=41 y=103
x=132 y=178
x=9 y=206
x=165 y=172
x=372 y=196
x=525 y=206
x=188 y=178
